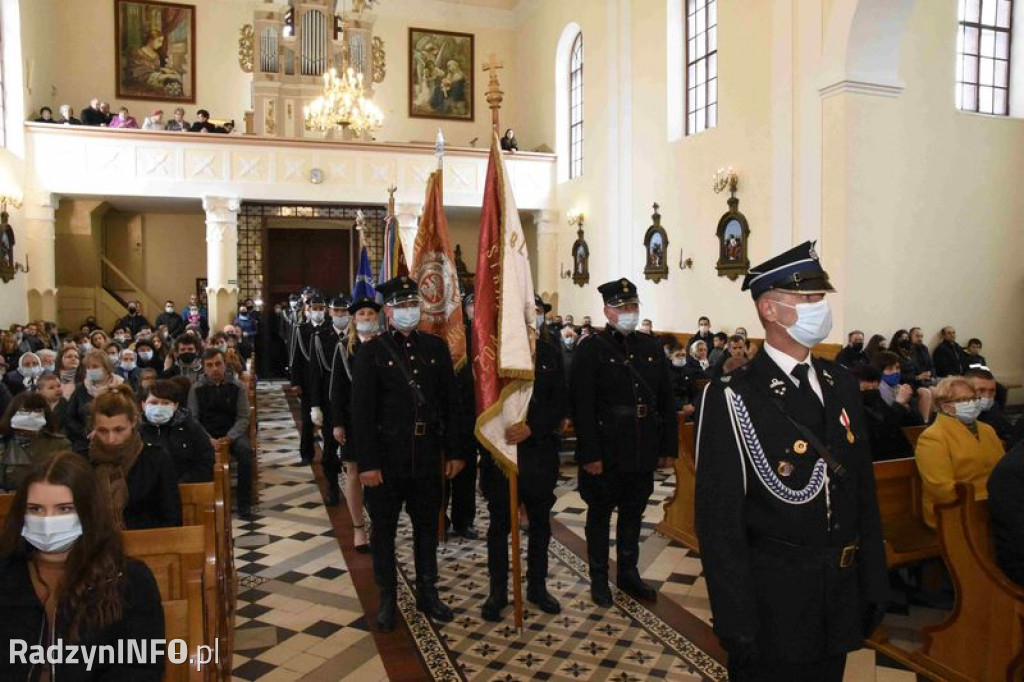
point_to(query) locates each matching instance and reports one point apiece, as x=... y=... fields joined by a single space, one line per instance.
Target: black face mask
x=857 y=347
x=187 y=358
x=132 y=310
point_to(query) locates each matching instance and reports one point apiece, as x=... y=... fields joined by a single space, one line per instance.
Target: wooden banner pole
x=517 y=568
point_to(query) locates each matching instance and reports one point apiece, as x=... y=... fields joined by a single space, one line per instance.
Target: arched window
x=576 y=108
x=983 y=56
x=701 y=65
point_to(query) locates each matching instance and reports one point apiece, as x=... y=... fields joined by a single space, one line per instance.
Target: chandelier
x=343 y=104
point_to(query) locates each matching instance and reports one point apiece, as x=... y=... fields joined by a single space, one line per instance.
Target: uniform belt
x=842 y=557
x=638 y=411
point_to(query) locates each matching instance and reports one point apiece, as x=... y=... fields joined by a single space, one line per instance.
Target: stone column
x=221 y=258
x=546 y=224
x=40 y=216
x=408 y=215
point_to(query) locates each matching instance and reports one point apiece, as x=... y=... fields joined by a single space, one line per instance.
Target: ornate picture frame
x=441 y=74
x=656 y=249
x=580 y=260
x=733 y=237
x=155 y=51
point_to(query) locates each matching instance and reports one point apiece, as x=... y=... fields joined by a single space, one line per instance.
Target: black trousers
x=763 y=669
x=538 y=496
x=241 y=452
x=461 y=491
x=331 y=461
x=306 y=436
x=629 y=493
x=422 y=499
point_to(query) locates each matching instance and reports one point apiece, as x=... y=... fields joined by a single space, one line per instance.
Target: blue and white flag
x=364 y=287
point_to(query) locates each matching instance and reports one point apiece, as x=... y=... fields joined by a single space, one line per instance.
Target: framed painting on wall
x=440 y=74
x=155 y=51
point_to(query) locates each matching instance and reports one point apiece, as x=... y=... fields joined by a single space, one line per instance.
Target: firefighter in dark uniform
x=462 y=491
x=626 y=427
x=405 y=439
x=298 y=364
x=291 y=317
x=787 y=519
x=362 y=327
x=538 y=441
x=325 y=341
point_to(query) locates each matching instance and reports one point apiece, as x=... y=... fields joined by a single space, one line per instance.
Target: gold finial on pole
x=495 y=96
x=391 y=198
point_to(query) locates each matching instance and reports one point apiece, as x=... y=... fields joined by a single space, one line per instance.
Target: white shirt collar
x=787 y=363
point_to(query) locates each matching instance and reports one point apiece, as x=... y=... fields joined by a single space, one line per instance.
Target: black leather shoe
x=543 y=599
x=429 y=603
x=601 y=593
x=468 y=532
x=386 y=613
x=632 y=585
x=491 y=610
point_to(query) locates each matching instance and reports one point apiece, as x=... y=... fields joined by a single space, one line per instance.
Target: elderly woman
x=123 y=119
x=48 y=360
x=99 y=378
x=24 y=377
x=98 y=338
x=154 y=121
x=698 y=360
x=67 y=116
x=128 y=368
x=957 y=447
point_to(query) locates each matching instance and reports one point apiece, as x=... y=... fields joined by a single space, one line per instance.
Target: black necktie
x=806 y=392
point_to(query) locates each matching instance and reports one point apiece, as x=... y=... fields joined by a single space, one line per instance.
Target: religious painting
x=156 y=51
x=580 y=260
x=656 y=246
x=733 y=235
x=440 y=74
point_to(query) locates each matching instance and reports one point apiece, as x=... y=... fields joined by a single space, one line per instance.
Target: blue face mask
x=893 y=380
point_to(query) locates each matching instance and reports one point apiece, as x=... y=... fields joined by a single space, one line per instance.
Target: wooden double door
x=297 y=258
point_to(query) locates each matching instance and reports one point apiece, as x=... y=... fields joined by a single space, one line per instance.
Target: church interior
x=675 y=143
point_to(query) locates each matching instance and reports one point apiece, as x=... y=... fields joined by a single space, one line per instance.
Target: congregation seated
x=128 y=369
x=24 y=377
x=169 y=423
x=737 y=348
x=134 y=321
x=60 y=548
x=875 y=345
x=972 y=354
x=45 y=116
x=697 y=359
x=91 y=114
x=185 y=360
x=956 y=447
x=202 y=123
x=703 y=332
x=98 y=378
x=155 y=121
x=1006 y=512
x=948 y=357
x=145 y=356
x=28 y=434
x=68 y=364
x=136 y=476
x=220 y=404
x=852 y=354
x=178 y=123
x=884 y=419
x=684 y=382
x=894 y=390
x=170 y=319
x=717 y=352
x=49 y=387
x=31 y=339
x=67 y=116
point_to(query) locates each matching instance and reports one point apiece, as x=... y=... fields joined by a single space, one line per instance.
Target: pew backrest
x=195 y=498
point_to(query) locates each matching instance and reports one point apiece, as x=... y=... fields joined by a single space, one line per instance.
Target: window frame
x=700 y=62
x=963 y=25
x=576 y=113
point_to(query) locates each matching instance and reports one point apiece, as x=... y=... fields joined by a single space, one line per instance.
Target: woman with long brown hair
x=138 y=479
x=68 y=369
x=98 y=378
x=64 y=577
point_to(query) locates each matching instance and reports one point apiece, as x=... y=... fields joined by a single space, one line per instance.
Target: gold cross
x=493 y=65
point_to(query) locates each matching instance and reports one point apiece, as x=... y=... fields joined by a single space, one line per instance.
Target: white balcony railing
x=80 y=160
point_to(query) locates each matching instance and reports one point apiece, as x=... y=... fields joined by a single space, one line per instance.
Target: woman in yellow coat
x=957 y=447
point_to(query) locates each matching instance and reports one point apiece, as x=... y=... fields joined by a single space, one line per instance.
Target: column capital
x=221 y=208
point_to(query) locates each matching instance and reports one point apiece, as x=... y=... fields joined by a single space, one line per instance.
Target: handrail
x=148 y=301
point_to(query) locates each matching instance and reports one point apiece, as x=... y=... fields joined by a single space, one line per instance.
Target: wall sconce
x=685 y=264
x=575 y=218
x=725 y=178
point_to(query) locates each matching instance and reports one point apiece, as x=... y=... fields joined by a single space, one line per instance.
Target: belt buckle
x=641 y=411
x=847 y=556
x=420 y=429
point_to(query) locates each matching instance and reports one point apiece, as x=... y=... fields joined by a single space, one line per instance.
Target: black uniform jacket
x=301 y=353
x=618 y=419
x=385 y=415
x=321 y=359
x=24 y=619
x=798 y=608
x=549 y=405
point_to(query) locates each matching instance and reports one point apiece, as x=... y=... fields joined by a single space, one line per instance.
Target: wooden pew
x=982 y=639
x=195 y=498
x=898 y=485
x=679 y=522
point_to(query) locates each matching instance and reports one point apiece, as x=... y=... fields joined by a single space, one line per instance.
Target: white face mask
x=95 y=375
x=339 y=321
x=627 y=322
x=986 y=403
x=30 y=372
x=52 y=534
x=169 y=309
x=406 y=319
x=366 y=326
x=968 y=412
x=679 y=362
x=28 y=421
x=813 y=322
x=49 y=368
x=704 y=329
x=127 y=366
x=316 y=316
x=159 y=414
x=146 y=355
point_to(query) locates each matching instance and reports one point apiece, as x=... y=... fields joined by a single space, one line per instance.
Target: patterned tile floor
x=300 y=617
